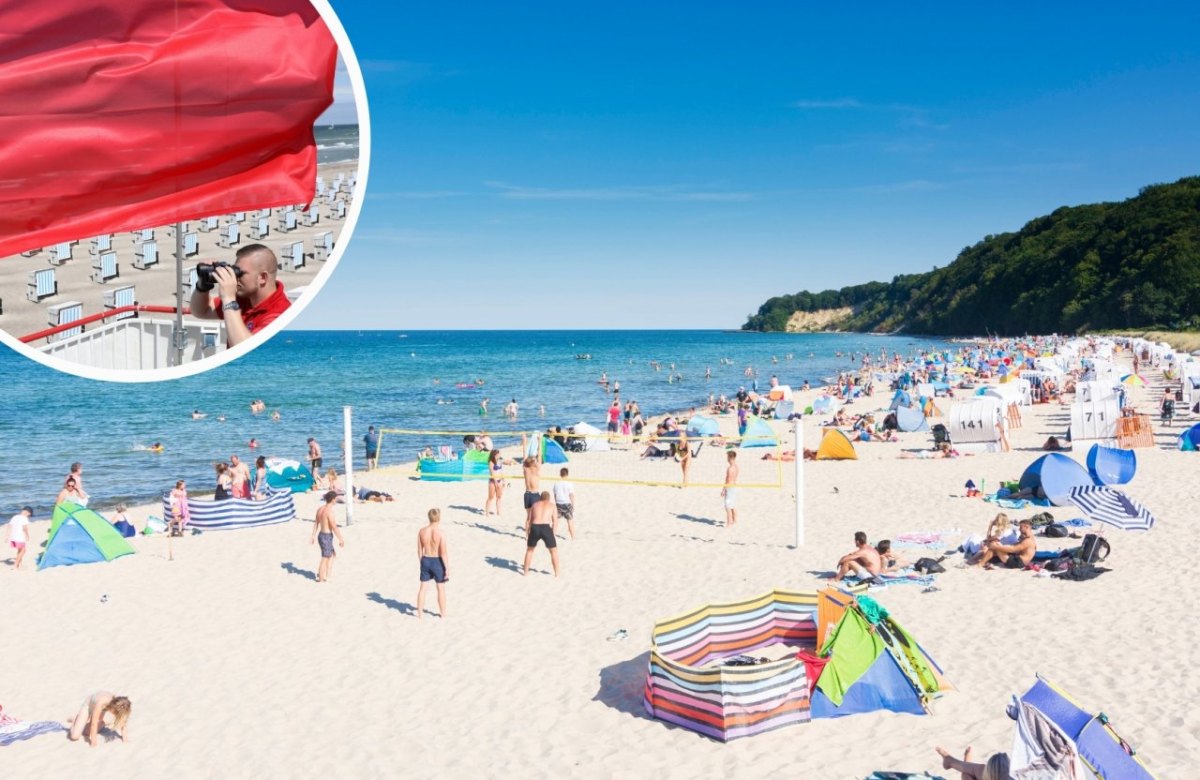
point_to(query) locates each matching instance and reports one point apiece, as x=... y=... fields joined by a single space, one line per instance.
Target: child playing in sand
x=90 y=718
x=433 y=556
x=18 y=536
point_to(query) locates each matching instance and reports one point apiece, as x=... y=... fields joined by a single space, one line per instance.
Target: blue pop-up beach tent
x=758 y=434
x=703 y=426
x=1052 y=476
x=1111 y=466
x=81 y=535
x=1189 y=440
x=911 y=418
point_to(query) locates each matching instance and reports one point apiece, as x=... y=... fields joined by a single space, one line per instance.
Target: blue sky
x=559 y=165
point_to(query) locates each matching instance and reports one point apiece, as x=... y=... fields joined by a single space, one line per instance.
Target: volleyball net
x=590 y=458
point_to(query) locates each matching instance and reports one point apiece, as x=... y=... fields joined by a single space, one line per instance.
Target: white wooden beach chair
x=41 y=284
x=104 y=268
x=237 y=216
x=209 y=224
x=119 y=297
x=30 y=252
x=312 y=216
x=260 y=229
x=191 y=244
x=140 y=236
x=61 y=314
x=287 y=220
x=320 y=185
x=293 y=256
x=322 y=245
x=231 y=237
x=338 y=211
x=101 y=244
x=147 y=256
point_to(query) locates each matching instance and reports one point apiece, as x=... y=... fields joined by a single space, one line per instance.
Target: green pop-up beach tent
x=81 y=535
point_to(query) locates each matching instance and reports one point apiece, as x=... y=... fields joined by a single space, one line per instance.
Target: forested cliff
x=1133 y=264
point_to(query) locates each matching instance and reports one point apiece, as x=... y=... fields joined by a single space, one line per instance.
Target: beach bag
x=1095 y=548
x=1042 y=518
x=1061 y=563
x=1080 y=572
x=929 y=566
x=1055 y=531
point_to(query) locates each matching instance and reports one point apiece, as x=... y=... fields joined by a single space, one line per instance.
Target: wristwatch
x=231 y=306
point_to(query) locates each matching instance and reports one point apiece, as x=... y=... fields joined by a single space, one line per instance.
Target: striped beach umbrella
x=1133 y=380
x=1112 y=507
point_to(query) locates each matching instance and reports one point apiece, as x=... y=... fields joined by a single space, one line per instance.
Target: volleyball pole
x=348 y=451
x=798 y=431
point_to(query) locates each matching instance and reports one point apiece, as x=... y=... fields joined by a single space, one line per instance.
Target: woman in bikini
x=495 y=481
x=70 y=494
x=90 y=719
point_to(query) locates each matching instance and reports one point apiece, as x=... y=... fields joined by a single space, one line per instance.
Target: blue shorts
x=432 y=569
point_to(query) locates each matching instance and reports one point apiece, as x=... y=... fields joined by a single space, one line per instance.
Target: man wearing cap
x=250 y=297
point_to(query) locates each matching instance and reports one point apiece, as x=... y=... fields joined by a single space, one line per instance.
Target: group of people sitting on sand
x=867 y=561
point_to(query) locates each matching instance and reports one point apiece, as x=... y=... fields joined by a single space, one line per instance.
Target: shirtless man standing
x=532 y=470
x=434 y=558
x=863 y=561
x=1011 y=556
x=314 y=456
x=324 y=529
x=540 y=525
x=241 y=477
x=729 y=492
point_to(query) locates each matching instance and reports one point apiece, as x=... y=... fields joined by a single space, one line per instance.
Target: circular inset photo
x=177 y=180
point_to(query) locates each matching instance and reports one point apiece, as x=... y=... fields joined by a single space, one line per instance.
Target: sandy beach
x=239 y=664
x=155 y=285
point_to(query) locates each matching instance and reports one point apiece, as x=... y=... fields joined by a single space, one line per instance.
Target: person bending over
x=250 y=297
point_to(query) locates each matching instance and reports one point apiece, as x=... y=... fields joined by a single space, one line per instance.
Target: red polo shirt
x=262 y=315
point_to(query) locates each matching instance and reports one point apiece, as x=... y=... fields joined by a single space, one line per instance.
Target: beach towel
x=931 y=540
x=14 y=730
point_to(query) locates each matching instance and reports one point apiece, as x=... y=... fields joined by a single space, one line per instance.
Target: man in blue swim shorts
x=433 y=555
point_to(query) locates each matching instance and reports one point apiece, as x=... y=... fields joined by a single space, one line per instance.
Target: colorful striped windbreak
x=686 y=686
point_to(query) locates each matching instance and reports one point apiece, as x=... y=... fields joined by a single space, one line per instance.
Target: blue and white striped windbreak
x=235 y=513
x=1105 y=505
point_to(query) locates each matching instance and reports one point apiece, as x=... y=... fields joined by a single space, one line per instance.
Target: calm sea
x=50 y=420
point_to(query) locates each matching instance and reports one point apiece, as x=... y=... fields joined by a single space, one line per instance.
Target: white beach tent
x=977 y=421
x=595 y=441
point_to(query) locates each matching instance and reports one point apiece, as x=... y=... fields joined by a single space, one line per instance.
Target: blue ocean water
x=336 y=143
x=50 y=420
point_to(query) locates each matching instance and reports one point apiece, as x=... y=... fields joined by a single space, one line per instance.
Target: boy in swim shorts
x=18 y=536
x=324 y=530
x=564 y=502
x=433 y=556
